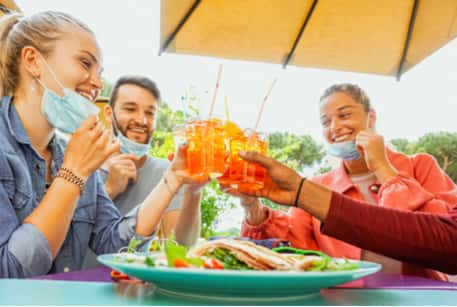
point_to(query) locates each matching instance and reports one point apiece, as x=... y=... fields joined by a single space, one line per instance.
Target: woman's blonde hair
x=40 y=31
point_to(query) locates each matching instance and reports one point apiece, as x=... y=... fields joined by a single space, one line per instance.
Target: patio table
x=376 y=281
x=94 y=287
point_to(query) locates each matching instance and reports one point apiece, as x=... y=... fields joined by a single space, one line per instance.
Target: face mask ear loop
x=41 y=83
x=52 y=72
x=116 y=129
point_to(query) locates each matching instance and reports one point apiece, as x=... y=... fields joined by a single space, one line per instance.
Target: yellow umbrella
x=7 y=6
x=385 y=37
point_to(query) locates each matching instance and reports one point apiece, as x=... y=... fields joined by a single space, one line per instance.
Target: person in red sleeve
x=369 y=172
x=383 y=230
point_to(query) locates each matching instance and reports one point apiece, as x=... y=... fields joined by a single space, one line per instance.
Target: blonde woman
x=52 y=203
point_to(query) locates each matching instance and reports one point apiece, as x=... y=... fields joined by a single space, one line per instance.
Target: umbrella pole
x=180 y=25
x=408 y=39
x=297 y=39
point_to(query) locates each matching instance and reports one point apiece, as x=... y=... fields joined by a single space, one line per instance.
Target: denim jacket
x=24 y=251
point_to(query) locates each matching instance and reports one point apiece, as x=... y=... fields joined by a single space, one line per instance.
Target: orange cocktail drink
x=240 y=173
x=206 y=148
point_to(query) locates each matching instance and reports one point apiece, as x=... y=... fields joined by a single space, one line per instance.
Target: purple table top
x=376 y=281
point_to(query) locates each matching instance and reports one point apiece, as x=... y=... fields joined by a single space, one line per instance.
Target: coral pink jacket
x=421 y=185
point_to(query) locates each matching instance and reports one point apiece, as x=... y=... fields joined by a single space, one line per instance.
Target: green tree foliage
x=404 y=146
x=441 y=145
x=213 y=203
x=296 y=151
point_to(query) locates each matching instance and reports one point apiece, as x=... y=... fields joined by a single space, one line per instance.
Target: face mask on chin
x=128 y=146
x=344 y=150
x=65 y=113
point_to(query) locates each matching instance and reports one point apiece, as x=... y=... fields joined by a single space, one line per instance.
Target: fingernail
x=242 y=152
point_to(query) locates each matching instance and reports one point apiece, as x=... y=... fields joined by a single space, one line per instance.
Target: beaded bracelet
x=69 y=176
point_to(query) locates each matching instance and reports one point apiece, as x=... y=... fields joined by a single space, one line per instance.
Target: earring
x=33 y=86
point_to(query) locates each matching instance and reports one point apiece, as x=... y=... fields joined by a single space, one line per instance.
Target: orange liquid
x=206 y=148
x=195 y=157
x=215 y=150
x=242 y=174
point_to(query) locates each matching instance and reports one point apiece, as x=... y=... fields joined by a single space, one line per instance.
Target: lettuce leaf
x=175 y=251
x=229 y=261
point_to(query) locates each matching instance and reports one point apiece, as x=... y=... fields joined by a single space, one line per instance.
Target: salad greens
x=133 y=245
x=175 y=255
x=174 y=252
x=326 y=263
x=149 y=261
x=228 y=260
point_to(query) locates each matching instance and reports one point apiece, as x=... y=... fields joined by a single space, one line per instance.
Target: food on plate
x=230 y=254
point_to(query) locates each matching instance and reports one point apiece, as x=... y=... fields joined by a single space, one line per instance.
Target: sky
x=129 y=33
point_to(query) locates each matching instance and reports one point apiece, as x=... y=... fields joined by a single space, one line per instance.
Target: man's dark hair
x=140 y=81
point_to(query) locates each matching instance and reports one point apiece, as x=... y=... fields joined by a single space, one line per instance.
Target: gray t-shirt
x=148 y=176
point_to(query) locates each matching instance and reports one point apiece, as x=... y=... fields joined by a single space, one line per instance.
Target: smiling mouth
x=137 y=130
x=86 y=95
x=341 y=138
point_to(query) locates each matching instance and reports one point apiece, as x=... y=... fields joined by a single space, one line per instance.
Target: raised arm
x=433 y=245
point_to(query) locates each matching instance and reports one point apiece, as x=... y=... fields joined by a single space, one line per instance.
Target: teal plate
x=233 y=285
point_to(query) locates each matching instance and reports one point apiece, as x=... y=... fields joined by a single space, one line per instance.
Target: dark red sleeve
x=425 y=239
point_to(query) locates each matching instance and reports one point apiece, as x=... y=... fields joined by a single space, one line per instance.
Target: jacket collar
x=340 y=180
x=17 y=130
x=13 y=121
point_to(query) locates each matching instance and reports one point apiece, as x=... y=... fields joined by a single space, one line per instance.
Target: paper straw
x=227 y=113
x=259 y=115
x=215 y=91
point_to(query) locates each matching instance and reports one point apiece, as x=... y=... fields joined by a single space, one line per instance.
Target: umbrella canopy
x=385 y=37
x=7 y=6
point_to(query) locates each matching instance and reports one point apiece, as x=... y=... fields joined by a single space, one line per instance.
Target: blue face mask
x=68 y=112
x=128 y=146
x=131 y=147
x=344 y=150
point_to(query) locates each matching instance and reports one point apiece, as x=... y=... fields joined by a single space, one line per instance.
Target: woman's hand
x=246 y=201
x=89 y=147
x=374 y=151
x=178 y=169
x=255 y=213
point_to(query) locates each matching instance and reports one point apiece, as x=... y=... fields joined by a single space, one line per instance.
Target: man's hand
x=281 y=184
x=121 y=169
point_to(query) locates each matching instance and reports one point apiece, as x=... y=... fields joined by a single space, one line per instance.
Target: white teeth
x=341 y=138
x=86 y=95
x=138 y=130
